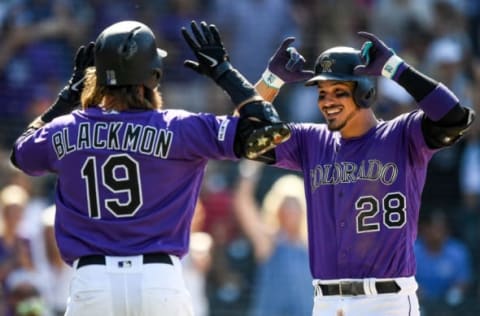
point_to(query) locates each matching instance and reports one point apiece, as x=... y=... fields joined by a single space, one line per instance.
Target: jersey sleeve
x=418 y=148
x=208 y=136
x=36 y=144
x=289 y=154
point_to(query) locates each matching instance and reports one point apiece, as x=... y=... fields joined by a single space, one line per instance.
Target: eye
x=342 y=94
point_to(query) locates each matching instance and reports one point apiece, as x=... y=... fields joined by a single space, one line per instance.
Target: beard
x=336 y=125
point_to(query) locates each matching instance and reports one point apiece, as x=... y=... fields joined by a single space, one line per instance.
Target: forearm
x=247 y=211
x=240 y=90
x=434 y=98
x=64 y=103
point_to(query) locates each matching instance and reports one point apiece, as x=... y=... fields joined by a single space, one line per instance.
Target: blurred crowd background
x=248 y=254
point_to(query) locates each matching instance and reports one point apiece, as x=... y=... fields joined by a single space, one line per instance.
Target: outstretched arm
x=260 y=128
x=446 y=120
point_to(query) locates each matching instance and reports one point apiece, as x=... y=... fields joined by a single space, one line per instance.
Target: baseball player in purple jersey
x=129 y=173
x=364 y=176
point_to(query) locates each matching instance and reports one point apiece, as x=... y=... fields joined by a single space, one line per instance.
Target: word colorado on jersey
x=349 y=172
x=144 y=139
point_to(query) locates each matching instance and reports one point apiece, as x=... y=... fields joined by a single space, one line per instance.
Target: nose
x=325 y=100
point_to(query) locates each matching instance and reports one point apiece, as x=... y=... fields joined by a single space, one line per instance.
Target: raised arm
x=247 y=211
x=446 y=120
x=260 y=128
x=68 y=98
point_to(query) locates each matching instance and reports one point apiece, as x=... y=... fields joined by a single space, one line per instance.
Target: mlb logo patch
x=222 y=130
x=111 y=78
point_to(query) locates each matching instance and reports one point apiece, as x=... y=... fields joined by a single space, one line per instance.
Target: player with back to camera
x=364 y=176
x=129 y=173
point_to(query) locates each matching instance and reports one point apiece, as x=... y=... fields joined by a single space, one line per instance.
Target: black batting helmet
x=126 y=53
x=337 y=64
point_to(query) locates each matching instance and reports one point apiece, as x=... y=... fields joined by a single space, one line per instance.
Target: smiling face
x=335 y=100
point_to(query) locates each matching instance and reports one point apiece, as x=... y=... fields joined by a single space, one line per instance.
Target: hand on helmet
x=84 y=58
x=207 y=46
x=69 y=97
x=380 y=60
x=286 y=66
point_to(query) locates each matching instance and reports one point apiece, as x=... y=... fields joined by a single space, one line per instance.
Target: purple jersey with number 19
x=137 y=174
x=363 y=194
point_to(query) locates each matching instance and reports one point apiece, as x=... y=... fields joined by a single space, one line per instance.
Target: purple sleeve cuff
x=401 y=68
x=438 y=102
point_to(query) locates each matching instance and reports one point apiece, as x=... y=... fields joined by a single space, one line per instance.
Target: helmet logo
x=327 y=64
x=129 y=47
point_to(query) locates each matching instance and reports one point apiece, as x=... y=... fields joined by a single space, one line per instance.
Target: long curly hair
x=119 y=98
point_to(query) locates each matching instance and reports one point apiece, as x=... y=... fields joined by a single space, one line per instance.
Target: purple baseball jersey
x=363 y=196
x=127 y=182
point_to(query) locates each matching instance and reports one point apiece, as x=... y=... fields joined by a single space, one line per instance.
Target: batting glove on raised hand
x=84 y=58
x=69 y=97
x=286 y=66
x=208 y=48
x=380 y=60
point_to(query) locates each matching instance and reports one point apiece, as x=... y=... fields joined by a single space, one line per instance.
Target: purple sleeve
x=35 y=145
x=419 y=150
x=438 y=102
x=211 y=136
x=290 y=154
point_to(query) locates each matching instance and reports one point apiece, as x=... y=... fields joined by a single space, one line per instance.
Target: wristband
x=272 y=80
x=391 y=66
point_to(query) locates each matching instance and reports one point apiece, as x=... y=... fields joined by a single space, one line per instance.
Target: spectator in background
x=251 y=30
x=36 y=42
x=228 y=280
x=178 y=13
x=196 y=266
x=25 y=300
x=391 y=18
x=55 y=274
x=470 y=168
x=469 y=179
x=444 y=60
x=443 y=265
x=197 y=263
x=15 y=252
x=278 y=235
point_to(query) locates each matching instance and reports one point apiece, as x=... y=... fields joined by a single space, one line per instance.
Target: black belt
x=353 y=288
x=147 y=258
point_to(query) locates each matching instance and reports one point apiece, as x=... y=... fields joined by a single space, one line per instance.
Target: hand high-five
x=207 y=46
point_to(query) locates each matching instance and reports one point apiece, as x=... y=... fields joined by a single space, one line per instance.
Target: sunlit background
x=226 y=269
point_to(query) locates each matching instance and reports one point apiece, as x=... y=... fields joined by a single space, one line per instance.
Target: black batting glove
x=69 y=97
x=207 y=46
x=84 y=58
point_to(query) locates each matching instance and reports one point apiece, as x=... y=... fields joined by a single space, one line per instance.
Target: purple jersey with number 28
x=363 y=195
x=121 y=174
